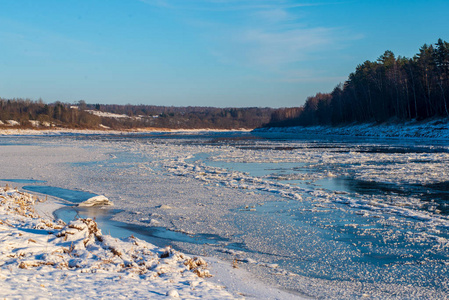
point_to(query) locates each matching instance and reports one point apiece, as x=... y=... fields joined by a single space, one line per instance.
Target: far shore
x=58 y=130
x=437 y=128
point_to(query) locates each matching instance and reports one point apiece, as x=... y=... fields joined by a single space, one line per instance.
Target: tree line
x=83 y=115
x=390 y=88
x=57 y=114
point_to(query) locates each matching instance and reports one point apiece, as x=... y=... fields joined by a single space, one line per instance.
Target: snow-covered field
x=296 y=214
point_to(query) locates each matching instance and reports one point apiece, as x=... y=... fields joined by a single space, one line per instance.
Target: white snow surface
x=111 y=115
x=43 y=259
x=12 y=122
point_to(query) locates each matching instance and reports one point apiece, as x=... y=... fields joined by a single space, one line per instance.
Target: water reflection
x=29 y=181
x=66 y=194
x=156 y=235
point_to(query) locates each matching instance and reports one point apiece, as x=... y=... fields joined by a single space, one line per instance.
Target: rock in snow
x=96 y=201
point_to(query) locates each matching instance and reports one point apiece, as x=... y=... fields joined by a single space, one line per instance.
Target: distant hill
x=25 y=113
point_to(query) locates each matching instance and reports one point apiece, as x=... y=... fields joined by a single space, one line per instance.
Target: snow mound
x=12 y=123
x=96 y=201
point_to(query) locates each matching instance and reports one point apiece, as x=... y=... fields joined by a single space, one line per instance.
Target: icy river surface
x=325 y=217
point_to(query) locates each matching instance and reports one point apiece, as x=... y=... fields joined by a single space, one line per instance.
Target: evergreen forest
x=388 y=89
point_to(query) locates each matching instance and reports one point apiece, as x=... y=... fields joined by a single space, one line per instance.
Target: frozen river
x=326 y=217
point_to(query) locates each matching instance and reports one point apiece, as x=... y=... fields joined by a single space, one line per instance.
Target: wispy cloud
x=31 y=41
x=274 y=15
x=273 y=49
x=227 y=5
x=269 y=36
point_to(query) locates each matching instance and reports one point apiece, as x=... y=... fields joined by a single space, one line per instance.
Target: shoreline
x=427 y=129
x=62 y=131
x=47 y=258
x=432 y=129
x=237 y=281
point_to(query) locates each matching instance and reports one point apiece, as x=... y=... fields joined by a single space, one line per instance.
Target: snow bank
x=111 y=115
x=104 y=130
x=12 y=123
x=34 y=123
x=43 y=258
x=437 y=129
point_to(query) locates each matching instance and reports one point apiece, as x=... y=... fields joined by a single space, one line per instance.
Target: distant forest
x=390 y=88
x=26 y=113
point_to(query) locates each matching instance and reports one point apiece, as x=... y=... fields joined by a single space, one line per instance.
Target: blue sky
x=225 y=53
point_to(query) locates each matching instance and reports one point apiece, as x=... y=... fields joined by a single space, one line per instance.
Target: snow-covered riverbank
x=64 y=131
x=435 y=129
x=42 y=258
